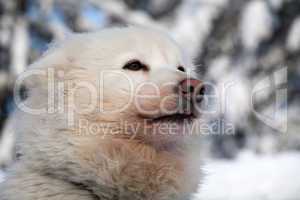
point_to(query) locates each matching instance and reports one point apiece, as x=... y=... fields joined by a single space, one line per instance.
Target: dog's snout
x=191 y=88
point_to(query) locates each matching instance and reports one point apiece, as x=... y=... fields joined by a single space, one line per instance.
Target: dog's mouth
x=176 y=118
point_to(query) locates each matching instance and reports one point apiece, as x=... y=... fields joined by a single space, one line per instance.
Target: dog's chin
x=169 y=128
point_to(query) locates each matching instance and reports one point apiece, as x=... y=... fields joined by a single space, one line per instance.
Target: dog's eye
x=135 y=65
x=180 y=68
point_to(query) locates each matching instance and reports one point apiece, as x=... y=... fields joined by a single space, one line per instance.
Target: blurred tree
x=13 y=49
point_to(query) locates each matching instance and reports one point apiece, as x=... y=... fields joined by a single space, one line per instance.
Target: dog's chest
x=158 y=179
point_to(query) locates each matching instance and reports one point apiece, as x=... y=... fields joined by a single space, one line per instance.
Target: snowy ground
x=251 y=177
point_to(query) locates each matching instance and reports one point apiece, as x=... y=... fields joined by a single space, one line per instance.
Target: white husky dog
x=109 y=115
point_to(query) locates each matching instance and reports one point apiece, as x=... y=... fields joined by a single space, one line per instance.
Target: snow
x=233 y=90
x=293 y=40
x=252 y=177
x=276 y=4
x=256 y=24
x=7 y=143
x=20 y=43
x=194 y=23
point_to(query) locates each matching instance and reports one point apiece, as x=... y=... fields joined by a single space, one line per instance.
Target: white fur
x=59 y=163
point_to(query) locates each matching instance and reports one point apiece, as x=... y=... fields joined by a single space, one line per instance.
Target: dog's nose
x=192 y=88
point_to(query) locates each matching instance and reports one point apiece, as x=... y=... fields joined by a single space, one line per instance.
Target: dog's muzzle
x=192 y=90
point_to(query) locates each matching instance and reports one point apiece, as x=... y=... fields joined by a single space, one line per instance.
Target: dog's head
x=107 y=109
x=122 y=82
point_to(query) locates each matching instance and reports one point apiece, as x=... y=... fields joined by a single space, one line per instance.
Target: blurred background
x=253 y=44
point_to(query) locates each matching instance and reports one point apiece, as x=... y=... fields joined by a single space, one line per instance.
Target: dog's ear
x=52 y=61
x=37 y=80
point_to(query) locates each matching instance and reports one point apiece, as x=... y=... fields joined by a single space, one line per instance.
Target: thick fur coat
x=81 y=134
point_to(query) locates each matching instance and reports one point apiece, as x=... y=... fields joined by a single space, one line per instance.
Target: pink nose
x=191 y=87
